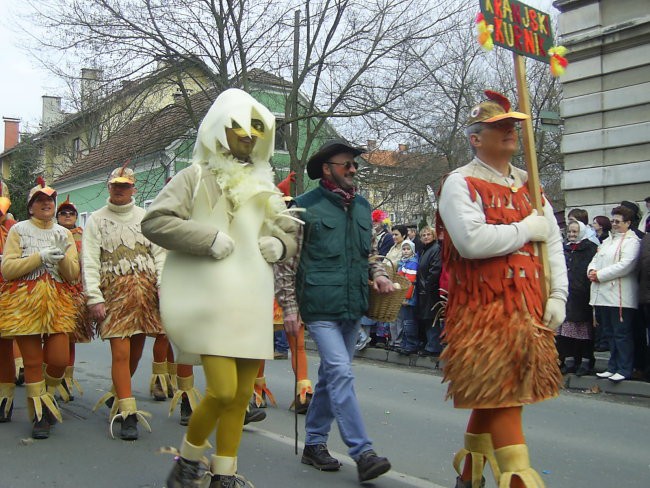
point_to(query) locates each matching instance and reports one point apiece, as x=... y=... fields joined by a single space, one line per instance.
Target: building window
x=147 y=203
x=76 y=147
x=83 y=218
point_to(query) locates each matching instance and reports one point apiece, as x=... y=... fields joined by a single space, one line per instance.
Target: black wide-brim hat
x=326 y=151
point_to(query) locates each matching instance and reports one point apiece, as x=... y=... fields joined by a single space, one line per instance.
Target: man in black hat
x=332 y=294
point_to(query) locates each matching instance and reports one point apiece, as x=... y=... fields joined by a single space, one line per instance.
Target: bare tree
x=344 y=58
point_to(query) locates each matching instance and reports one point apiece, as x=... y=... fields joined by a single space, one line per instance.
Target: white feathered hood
x=237 y=105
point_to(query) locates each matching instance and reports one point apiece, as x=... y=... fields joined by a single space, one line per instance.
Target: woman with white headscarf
x=575 y=338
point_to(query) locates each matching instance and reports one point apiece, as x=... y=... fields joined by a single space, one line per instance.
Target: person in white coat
x=614 y=292
x=224 y=223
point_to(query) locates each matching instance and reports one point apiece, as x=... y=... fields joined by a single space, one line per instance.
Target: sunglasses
x=67 y=213
x=617 y=221
x=347 y=164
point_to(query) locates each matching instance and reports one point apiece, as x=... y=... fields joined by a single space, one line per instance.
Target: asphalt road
x=575 y=440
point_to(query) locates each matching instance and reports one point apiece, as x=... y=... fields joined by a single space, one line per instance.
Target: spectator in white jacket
x=614 y=292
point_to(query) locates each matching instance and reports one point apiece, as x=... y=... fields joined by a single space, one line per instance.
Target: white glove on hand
x=271 y=248
x=537 y=226
x=61 y=243
x=222 y=246
x=554 y=313
x=51 y=255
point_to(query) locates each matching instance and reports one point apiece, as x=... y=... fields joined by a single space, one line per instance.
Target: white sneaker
x=616 y=378
x=605 y=374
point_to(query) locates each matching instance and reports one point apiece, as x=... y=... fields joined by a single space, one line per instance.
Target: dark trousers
x=639 y=332
x=618 y=324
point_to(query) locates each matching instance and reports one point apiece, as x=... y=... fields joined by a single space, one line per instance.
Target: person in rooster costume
x=121 y=270
x=40 y=265
x=7 y=365
x=224 y=224
x=500 y=352
x=282 y=307
x=66 y=216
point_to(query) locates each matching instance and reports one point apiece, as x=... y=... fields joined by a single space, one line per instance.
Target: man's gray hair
x=475 y=128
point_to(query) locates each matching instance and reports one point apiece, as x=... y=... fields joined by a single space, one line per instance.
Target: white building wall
x=606 y=105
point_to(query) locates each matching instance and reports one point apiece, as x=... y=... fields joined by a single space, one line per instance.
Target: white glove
x=537 y=227
x=51 y=255
x=222 y=246
x=60 y=242
x=554 y=313
x=271 y=248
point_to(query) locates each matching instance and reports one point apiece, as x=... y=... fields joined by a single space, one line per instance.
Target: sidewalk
x=572 y=382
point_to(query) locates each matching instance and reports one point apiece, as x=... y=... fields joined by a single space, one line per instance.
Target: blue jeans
x=334 y=396
x=280 y=343
x=409 y=328
x=433 y=338
x=617 y=324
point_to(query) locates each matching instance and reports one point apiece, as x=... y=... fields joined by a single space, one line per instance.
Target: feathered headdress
x=378 y=216
x=66 y=203
x=40 y=187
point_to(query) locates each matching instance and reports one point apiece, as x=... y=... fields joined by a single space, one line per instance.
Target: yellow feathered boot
x=480 y=449
x=514 y=461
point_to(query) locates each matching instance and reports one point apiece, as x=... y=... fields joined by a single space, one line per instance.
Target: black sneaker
x=225 y=481
x=157 y=392
x=254 y=414
x=20 y=379
x=129 y=428
x=369 y=465
x=5 y=418
x=185 y=474
x=318 y=456
x=301 y=408
x=468 y=484
x=41 y=428
x=186 y=410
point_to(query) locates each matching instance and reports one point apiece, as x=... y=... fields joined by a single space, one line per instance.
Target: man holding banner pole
x=499 y=326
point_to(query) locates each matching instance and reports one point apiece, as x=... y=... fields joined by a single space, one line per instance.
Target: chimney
x=51 y=114
x=12 y=127
x=371 y=144
x=90 y=84
x=403 y=147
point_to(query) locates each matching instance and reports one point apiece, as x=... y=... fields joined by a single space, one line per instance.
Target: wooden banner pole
x=530 y=157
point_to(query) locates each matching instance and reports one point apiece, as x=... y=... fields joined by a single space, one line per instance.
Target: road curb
x=572 y=382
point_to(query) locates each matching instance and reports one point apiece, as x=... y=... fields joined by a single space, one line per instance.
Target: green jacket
x=332 y=276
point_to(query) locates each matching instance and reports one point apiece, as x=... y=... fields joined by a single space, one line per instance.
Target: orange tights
x=298 y=356
x=126 y=353
x=505 y=427
x=52 y=349
x=7 y=368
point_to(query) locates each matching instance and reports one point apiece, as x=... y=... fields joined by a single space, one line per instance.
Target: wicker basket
x=384 y=307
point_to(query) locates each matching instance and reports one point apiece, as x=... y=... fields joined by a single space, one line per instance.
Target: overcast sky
x=22 y=83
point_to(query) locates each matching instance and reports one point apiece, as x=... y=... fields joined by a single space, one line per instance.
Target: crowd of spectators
x=608 y=308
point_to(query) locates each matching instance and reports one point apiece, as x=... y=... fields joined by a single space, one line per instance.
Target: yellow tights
x=229 y=388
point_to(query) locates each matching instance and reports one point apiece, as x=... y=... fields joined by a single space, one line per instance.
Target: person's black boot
x=370 y=466
x=40 y=428
x=186 y=410
x=5 y=418
x=185 y=474
x=129 y=428
x=318 y=456
x=254 y=414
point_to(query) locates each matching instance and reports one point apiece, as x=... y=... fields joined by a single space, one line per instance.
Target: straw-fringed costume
x=121 y=269
x=7 y=388
x=39 y=298
x=499 y=354
x=83 y=332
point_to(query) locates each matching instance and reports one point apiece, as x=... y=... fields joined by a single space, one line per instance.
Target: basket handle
x=385 y=258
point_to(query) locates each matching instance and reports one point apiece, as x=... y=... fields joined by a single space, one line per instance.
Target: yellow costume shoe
x=514 y=461
x=480 y=449
x=188 y=396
